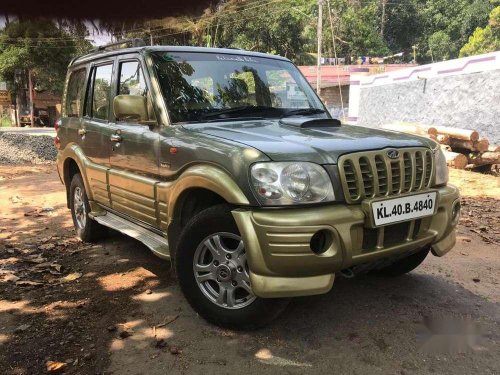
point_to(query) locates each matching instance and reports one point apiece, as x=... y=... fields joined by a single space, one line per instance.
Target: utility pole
x=320 y=37
x=383 y=18
x=30 y=87
x=414 y=53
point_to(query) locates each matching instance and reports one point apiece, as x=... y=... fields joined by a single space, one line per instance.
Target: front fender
x=202 y=176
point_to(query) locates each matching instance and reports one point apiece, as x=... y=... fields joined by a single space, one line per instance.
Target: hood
x=321 y=145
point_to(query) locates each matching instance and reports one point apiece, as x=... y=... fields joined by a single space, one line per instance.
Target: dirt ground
x=112 y=307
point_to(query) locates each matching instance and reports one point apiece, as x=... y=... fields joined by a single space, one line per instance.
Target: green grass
x=5 y=121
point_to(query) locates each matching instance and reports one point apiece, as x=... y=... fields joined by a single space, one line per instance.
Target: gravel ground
x=16 y=149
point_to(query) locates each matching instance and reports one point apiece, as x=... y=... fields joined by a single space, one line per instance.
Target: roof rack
x=124 y=43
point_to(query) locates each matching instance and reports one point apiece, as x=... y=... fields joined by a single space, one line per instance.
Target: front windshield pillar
x=157 y=96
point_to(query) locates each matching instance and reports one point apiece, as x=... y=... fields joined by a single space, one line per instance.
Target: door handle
x=116 y=138
x=82 y=132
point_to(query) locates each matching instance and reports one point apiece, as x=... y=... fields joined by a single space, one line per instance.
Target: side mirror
x=130 y=108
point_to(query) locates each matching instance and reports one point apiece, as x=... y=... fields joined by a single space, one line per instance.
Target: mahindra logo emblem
x=393 y=154
x=223 y=273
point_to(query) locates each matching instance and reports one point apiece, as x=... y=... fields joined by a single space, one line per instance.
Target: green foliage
x=41 y=47
x=276 y=30
x=438 y=28
x=5 y=120
x=457 y=19
x=440 y=46
x=485 y=39
x=404 y=26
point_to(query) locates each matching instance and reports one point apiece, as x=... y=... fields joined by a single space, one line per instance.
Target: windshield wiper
x=303 y=111
x=242 y=109
x=240 y=118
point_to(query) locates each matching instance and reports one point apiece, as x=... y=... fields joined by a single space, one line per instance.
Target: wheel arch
x=70 y=168
x=198 y=188
x=71 y=161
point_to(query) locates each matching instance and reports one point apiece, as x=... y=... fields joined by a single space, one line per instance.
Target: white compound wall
x=462 y=93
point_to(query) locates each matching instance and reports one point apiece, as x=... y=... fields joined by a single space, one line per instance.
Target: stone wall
x=470 y=101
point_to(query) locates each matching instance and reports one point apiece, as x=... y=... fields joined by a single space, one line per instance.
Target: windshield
x=210 y=86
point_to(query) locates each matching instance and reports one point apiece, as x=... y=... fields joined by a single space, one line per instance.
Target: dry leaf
x=56 y=266
x=36 y=259
x=55 y=367
x=47 y=246
x=9 y=277
x=71 y=277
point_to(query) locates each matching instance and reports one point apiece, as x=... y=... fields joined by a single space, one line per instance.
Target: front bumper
x=282 y=263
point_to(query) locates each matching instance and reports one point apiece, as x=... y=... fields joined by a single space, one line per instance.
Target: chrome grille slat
x=381 y=174
x=428 y=167
x=407 y=165
x=351 y=183
x=372 y=174
x=366 y=176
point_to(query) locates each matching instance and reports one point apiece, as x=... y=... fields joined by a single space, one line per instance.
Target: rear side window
x=101 y=91
x=75 y=93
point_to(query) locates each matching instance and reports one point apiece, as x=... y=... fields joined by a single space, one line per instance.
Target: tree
x=440 y=46
x=438 y=28
x=457 y=19
x=404 y=26
x=40 y=47
x=485 y=39
x=360 y=27
x=273 y=29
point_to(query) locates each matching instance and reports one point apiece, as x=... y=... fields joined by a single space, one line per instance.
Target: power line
x=276 y=11
x=223 y=24
x=251 y=5
x=258 y=4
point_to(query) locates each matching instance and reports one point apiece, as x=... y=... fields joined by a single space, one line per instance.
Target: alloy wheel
x=221 y=271
x=79 y=208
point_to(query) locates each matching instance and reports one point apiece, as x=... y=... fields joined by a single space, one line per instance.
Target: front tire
x=213 y=273
x=87 y=229
x=405 y=265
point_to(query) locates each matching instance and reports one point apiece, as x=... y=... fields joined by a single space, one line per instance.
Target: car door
x=134 y=157
x=95 y=132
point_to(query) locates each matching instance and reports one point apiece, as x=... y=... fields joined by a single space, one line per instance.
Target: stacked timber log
x=463 y=148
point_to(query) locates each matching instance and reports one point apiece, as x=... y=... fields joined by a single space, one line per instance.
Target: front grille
x=373 y=174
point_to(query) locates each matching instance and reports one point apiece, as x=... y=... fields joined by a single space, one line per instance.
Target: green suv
x=226 y=163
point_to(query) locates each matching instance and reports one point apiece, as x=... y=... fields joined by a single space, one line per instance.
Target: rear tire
x=87 y=229
x=405 y=265
x=213 y=275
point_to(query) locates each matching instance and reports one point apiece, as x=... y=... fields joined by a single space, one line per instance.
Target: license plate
x=404 y=208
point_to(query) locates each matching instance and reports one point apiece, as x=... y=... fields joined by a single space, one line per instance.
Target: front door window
x=101 y=92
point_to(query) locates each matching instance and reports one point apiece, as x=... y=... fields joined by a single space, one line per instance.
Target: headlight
x=441 y=167
x=288 y=183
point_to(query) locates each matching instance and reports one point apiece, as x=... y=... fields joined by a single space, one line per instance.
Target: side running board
x=156 y=243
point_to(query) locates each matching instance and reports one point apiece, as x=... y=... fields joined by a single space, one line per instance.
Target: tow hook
x=348 y=273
